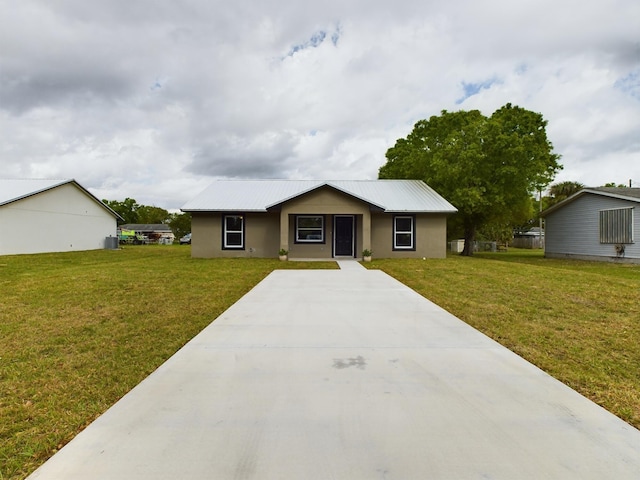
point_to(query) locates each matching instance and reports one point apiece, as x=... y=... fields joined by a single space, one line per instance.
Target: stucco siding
x=431 y=234
x=262 y=232
x=58 y=220
x=264 y=235
x=327 y=202
x=573 y=230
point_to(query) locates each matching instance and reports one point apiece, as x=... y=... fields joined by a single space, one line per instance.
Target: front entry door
x=343 y=238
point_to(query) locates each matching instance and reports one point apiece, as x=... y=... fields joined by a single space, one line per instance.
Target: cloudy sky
x=154 y=99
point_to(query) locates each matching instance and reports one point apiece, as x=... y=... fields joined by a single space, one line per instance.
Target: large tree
x=486 y=166
x=180 y=223
x=127 y=209
x=152 y=214
x=132 y=212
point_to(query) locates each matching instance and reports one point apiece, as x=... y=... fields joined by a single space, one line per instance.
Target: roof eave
x=455 y=210
x=585 y=191
x=59 y=184
x=217 y=210
x=36 y=192
x=104 y=205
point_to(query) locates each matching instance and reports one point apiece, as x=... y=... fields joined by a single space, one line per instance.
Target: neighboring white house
x=595 y=224
x=38 y=216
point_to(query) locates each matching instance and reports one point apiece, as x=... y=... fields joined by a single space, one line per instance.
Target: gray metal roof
x=12 y=190
x=623 y=193
x=260 y=195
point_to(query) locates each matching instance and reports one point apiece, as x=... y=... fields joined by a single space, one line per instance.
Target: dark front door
x=343 y=235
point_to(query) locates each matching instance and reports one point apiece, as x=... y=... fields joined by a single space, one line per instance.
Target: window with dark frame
x=616 y=225
x=404 y=232
x=309 y=229
x=233 y=232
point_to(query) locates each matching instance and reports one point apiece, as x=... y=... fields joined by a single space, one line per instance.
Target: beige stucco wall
x=262 y=235
x=62 y=219
x=265 y=235
x=328 y=202
x=431 y=236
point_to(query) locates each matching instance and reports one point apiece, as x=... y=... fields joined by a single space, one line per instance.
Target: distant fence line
x=487 y=246
x=528 y=242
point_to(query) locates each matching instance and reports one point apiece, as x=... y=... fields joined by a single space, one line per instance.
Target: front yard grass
x=78 y=330
x=578 y=321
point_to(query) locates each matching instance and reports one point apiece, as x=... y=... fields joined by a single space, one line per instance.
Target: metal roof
x=623 y=193
x=260 y=195
x=620 y=192
x=12 y=190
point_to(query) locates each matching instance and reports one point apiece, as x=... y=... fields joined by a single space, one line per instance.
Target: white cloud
x=154 y=99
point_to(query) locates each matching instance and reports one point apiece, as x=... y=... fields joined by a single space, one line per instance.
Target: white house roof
x=12 y=190
x=261 y=195
x=630 y=194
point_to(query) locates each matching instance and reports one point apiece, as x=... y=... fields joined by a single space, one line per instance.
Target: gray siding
x=574 y=229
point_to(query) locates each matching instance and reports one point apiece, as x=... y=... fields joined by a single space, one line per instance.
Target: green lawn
x=579 y=321
x=78 y=330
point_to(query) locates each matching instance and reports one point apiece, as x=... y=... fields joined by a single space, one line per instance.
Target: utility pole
x=540 y=215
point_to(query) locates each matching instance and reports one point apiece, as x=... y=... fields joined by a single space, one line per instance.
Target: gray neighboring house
x=314 y=219
x=38 y=216
x=595 y=224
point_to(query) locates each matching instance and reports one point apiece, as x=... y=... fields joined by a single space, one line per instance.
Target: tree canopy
x=127 y=209
x=486 y=167
x=132 y=212
x=563 y=190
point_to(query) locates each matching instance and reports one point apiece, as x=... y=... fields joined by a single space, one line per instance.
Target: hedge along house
x=319 y=219
x=38 y=216
x=595 y=224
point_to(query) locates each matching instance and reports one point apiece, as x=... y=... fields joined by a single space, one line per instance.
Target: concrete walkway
x=347 y=374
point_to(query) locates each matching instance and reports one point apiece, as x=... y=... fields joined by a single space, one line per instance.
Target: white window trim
x=313 y=240
x=412 y=232
x=225 y=243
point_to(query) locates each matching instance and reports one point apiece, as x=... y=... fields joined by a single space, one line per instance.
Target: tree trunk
x=469 y=239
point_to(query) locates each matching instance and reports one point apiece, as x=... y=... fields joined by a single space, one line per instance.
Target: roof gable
x=261 y=195
x=629 y=194
x=13 y=190
x=330 y=186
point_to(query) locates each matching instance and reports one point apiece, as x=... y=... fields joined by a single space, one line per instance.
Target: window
x=309 y=229
x=616 y=226
x=403 y=233
x=233 y=231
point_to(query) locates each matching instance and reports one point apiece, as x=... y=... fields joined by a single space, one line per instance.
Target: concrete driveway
x=347 y=374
